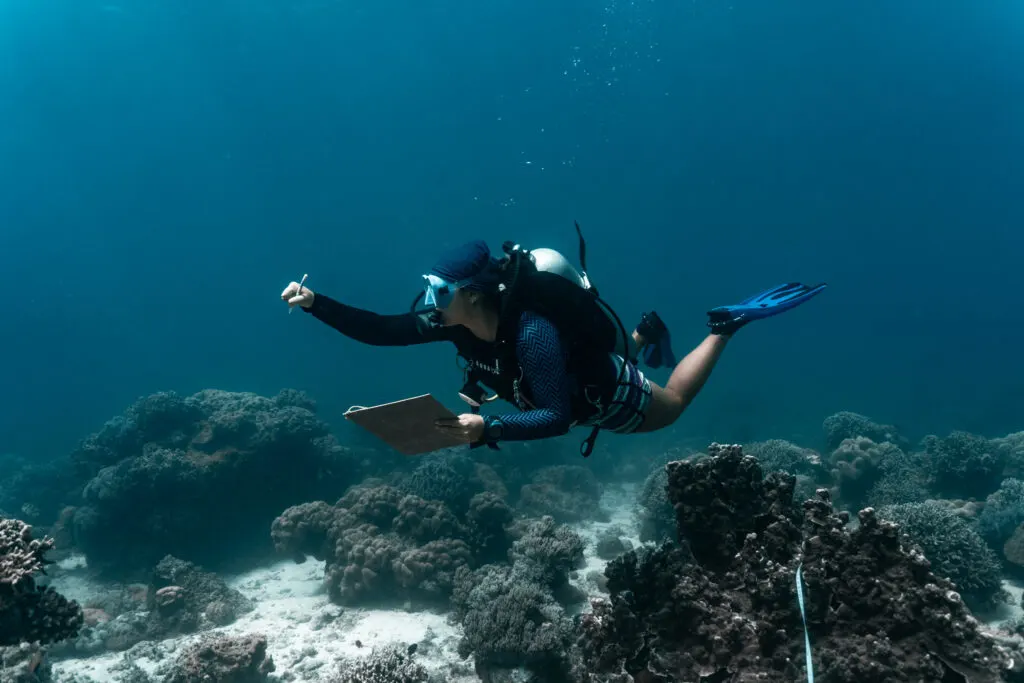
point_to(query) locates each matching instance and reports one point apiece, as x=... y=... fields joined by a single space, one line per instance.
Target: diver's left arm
x=542 y=358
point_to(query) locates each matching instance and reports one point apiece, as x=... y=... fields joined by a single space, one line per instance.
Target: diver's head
x=463 y=285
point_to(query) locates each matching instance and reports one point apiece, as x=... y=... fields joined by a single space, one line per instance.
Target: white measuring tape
x=803 y=617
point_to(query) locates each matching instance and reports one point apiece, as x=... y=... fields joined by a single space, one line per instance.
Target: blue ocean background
x=166 y=168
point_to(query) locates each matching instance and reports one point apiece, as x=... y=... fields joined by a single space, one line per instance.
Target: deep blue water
x=167 y=167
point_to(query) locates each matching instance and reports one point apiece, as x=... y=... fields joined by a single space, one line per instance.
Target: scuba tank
x=545 y=260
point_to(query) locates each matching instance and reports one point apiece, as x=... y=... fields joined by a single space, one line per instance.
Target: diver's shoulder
x=531 y=318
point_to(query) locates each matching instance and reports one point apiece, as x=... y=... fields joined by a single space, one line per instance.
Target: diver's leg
x=639 y=342
x=669 y=402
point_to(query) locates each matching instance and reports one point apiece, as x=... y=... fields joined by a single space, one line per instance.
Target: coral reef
x=200 y=478
x=1013 y=446
x=181 y=593
x=849 y=425
x=447 y=477
x=1013 y=549
x=611 y=544
x=512 y=616
x=30 y=612
x=1003 y=513
x=382 y=545
x=864 y=471
x=25 y=663
x=953 y=547
x=657 y=519
x=568 y=493
x=855 y=469
x=510 y=619
x=180 y=599
x=725 y=608
x=388 y=664
x=964 y=465
x=778 y=455
x=224 y=659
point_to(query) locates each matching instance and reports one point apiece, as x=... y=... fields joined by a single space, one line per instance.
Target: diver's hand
x=468 y=427
x=298 y=295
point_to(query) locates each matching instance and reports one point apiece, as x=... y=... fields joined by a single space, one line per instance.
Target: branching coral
x=953 y=547
x=30 y=612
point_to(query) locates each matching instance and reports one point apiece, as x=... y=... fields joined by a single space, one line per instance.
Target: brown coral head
x=170 y=599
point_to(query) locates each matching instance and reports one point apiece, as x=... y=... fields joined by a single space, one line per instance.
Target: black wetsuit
x=555 y=388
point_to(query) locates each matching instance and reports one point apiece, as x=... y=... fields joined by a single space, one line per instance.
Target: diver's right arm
x=404 y=329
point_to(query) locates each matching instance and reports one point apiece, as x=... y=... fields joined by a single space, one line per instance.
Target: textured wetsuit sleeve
x=543 y=361
x=404 y=329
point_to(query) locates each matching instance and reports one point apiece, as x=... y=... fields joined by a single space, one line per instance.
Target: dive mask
x=437 y=292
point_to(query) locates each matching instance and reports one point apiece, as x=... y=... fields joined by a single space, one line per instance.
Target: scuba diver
x=531 y=327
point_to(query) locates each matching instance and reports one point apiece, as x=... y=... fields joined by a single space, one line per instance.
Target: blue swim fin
x=728 y=319
x=657 y=351
x=659 y=354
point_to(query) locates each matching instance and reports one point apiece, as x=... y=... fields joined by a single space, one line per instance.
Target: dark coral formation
x=725 y=609
x=865 y=472
x=180 y=593
x=1013 y=446
x=1003 y=513
x=29 y=612
x=225 y=659
x=200 y=477
x=1013 y=549
x=512 y=615
x=657 y=519
x=511 y=619
x=965 y=465
x=611 y=543
x=555 y=549
x=856 y=468
x=447 y=477
x=382 y=545
x=849 y=425
x=180 y=599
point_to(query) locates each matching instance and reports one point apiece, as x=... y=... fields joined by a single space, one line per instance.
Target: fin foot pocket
x=657 y=351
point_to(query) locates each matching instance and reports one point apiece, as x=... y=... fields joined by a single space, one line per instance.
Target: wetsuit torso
x=547 y=380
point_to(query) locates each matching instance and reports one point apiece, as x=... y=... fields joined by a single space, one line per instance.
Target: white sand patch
x=74 y=586
x=307 y=636
x=621 y=504
x=72 y=562
x=1003 y=613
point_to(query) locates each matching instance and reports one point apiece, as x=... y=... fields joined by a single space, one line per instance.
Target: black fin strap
x=587 y=447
